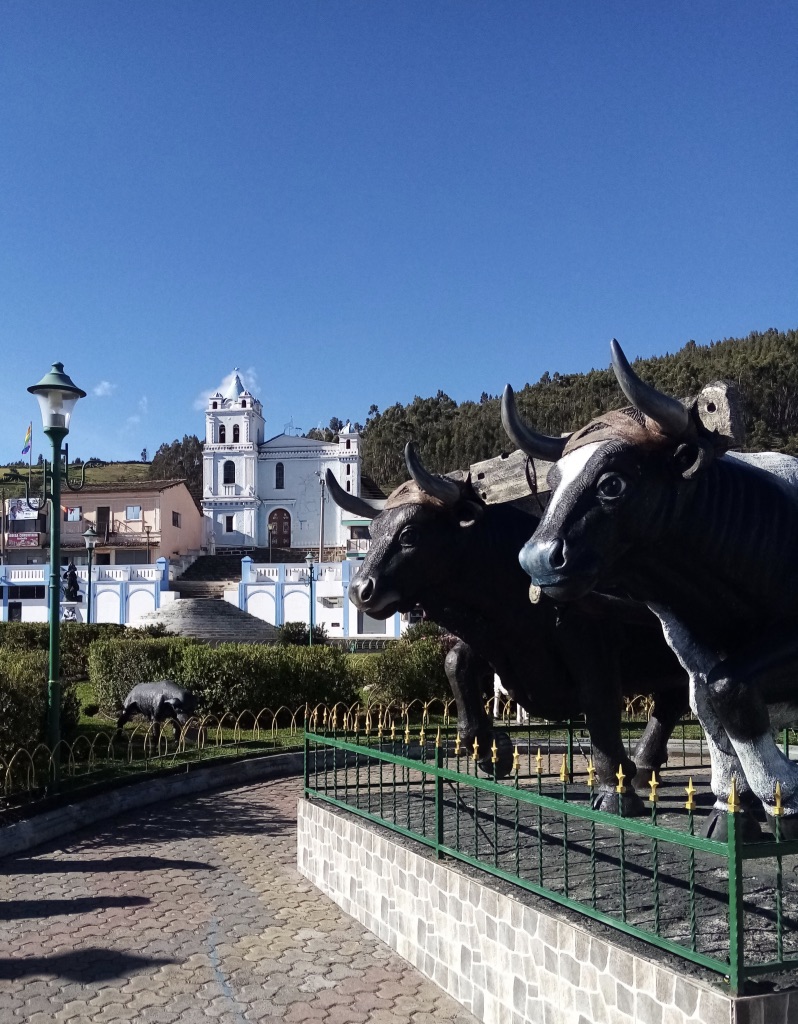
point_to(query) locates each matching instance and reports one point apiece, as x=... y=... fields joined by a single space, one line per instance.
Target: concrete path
x=189 y=912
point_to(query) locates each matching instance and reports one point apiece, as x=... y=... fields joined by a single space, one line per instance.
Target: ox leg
x=127 y=714
x=589 y=654
x=470 y=678
x=651 y=752
x=698 y=662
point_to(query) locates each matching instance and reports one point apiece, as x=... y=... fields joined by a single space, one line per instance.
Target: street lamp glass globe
x=91 y=537
x=57 y=396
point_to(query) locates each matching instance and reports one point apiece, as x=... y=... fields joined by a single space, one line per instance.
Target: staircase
x=214 y=622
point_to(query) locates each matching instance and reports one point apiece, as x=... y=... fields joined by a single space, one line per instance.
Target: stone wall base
x=505 y=961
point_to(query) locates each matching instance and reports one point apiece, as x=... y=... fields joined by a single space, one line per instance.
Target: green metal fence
x=730 y=907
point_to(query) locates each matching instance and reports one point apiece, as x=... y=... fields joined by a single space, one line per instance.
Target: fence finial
x=734 y=804
x=564 y=769
x=457 y=742
x=516 y=760
x=539 y=761
x=778 y=806
x=494 y=753
x=653 y=784
x=691 y=791
x=438 y=738
x=591 y=774
x=619 y=775
x=476 y=749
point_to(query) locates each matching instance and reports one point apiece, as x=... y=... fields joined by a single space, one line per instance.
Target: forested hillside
x=451 y=436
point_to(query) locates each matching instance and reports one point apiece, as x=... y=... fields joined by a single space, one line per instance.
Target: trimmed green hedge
x=76 y=638
x=230 y=677
x=23 y=700
x=404 y=672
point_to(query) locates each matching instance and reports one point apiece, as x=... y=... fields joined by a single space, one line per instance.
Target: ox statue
x=438 y=545
x=159 y=702
x=647 y=501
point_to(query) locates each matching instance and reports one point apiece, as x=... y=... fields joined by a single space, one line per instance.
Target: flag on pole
x=26 y=447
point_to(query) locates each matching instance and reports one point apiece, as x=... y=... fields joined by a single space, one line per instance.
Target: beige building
x=136 y=524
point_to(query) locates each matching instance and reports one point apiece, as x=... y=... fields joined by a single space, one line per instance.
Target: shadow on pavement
x=40 y=866
x=17 y=910
x=87 y=965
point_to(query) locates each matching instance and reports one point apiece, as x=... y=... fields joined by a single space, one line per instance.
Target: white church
x=270 y=493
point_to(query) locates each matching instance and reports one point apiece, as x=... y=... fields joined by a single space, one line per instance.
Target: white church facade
x=270 y=493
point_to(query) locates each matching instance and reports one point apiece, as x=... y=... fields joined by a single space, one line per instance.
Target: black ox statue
x=438 y=545
x=159 y=702
x=647 y=500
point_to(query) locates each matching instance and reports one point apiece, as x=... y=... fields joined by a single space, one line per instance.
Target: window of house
x=235 y=434
x=229 y=524
x=229 y=472
x=222 y=435
x=71 y=514
x=176 y=519
x=133 y=512
x=33 y=591
x=279 y=476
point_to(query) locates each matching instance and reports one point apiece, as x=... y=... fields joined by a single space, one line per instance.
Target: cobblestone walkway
x=192 y=912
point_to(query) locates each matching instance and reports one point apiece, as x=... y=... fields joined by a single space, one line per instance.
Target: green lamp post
x=57 y=396
x=311 y=579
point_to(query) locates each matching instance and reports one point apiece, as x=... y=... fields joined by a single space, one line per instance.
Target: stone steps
x=212 y=621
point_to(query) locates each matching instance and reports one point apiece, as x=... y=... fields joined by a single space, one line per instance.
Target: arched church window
x=235 y=434
x=229 y=472
x=243 y=403
x=279 y=476
x=348 y=469
x=215 y=405
x=222 y=435
x=348 y=443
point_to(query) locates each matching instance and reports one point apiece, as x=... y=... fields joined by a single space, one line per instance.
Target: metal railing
x=729 y=906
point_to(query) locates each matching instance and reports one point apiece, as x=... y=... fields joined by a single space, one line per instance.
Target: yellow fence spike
x=539 y=761
x=619 y=775
x=516 y=760
x=407 y=733
x=653 y=785
x=494 y=753
x=591 y=774
x=476 y=749
x=778 y=806
x=564 y=769
x=457 y=742
x=733 y=804
x=438 y=737
x=691 y=791
x=422 y=736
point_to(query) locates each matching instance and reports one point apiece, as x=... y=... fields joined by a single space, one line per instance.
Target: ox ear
x=691 y=458
x=469 y=508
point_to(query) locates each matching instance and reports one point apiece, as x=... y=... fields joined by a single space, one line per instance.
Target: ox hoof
x=504 y=756
x=607 y=800
x=716 y=826
x=788 y=826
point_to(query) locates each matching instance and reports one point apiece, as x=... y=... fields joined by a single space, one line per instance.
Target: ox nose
x=542 y=559
x=362 y=590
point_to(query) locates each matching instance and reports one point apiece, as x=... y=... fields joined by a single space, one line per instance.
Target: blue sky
x=358 y=202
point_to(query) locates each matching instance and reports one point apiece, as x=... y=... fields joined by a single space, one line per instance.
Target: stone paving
x=189 y=912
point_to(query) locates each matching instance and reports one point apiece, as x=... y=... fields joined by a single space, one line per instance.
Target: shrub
x=407 y=672
x=76 y=638
x=23 y=700
x=296 y=634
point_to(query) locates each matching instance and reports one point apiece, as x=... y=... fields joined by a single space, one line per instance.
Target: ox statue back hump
x=646 y=499
x=438 y=545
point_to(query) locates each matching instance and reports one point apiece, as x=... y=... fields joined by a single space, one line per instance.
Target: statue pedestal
x=72 y=611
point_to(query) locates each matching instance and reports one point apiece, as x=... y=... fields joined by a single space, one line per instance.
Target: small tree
x=296 y=634
x=143 y=454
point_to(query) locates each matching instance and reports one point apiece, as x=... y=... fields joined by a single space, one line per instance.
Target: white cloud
x=249 y=378
x=143 y=409
x=104 y=389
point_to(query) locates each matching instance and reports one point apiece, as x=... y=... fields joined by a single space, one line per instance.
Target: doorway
x=281 y=534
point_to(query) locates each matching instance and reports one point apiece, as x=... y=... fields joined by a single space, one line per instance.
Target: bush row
x=236 y=677
x=23 y=700
x=76 y=638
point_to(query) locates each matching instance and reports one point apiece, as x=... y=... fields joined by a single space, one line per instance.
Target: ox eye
x=409 y=536
x=611 y=486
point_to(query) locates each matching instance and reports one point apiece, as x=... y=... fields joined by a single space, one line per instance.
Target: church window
x=229 y=472
x=348 y=486
x=222 y=435
x=235 y=434
x=243 y=403
x=279 y=476
x=348 y=443
x=348 y=469
x=215 y=405
x=229 y=525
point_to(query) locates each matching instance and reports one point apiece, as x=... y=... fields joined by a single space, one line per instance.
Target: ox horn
x=668 y=413
x=538 y=446
x=436 y=486
x=349 y=502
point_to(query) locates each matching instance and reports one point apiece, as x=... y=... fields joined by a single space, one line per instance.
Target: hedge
x=23 y=700
x=404 y=672
x=230 y=677
x=76 y=638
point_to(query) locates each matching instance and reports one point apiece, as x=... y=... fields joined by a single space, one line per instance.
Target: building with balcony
x=136 y=523
x=262 y=493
